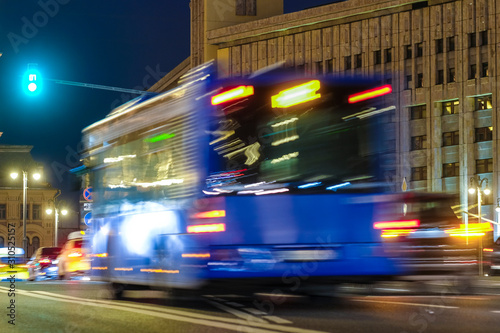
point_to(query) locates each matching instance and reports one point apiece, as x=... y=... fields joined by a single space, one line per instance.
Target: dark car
x=43 y=264
x=437 y=242
x=492 y=258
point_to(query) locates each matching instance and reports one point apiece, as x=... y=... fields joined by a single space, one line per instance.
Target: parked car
x=13 y=261
x=43 y=263
x=73 y=261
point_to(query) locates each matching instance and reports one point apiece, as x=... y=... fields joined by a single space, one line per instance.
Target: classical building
x=440 y=56
x=39 y=224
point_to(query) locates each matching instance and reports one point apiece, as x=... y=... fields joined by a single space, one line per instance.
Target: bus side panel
x=321 y=235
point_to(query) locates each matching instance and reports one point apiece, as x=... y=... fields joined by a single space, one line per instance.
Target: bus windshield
x=326 y=140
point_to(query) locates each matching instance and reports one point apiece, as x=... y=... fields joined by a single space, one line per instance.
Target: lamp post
x=57 y=208
x=476 y=184
x=36 y=176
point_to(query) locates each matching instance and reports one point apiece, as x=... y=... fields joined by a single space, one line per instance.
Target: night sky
x=128 y=44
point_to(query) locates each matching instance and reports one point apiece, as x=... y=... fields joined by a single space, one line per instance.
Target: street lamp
x=36 y=176
x=57 y=208
x=476 y=184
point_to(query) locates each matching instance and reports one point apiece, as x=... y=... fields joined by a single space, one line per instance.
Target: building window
x=420 y=80
x=484 y=37
x=246 y=7
x=484 y=69
x=419 y=173
x=419 y=142
x=408 y=82
x=418 y=112
x=358 y=61
x=472 y=71
x=484 y=166
x=472 y=39
x=451 y=75
x=347 y=62
x=484 y=134
x=440 y=76
x=407 y=51
x=451 y=169
x=450 y=107
x=329 y=66
x=483 y=103
x=450 y=42
x=27 y=211
x=388 y=55
x=2 y=242
x=377 y=57
x=37 y=212
x=450 y=138
x=318 y=67
x=439 y=45
x=419 y=49
x=3 y=211
x=35 y=244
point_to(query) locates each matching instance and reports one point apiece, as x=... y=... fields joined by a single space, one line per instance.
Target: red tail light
x=200 y=228
x=233 y=94
x=371 y=93
x=396 y=224
x=44 y=261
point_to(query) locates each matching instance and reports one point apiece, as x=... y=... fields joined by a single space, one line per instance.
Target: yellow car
x=13 y=264
x=73 y=261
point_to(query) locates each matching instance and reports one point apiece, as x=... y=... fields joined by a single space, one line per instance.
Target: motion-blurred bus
x=265 y=180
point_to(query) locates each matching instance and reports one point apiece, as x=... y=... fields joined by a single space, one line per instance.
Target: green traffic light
x=32 y=82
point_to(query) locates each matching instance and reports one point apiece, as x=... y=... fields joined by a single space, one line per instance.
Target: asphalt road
x=79 y=306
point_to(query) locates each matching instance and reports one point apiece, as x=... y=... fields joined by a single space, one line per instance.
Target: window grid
x=484 y=134
x=484 y=165
x=451 y=169
x=450 y=107
x=419 y=173
x=451 y=138
x=419 y=142
x=483 y=102
x=418 y=112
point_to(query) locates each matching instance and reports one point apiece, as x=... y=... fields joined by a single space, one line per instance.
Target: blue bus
x=270 y=179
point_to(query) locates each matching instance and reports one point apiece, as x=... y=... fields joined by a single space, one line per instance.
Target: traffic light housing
x=32 y=82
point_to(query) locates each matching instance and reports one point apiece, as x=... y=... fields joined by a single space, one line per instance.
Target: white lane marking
x=237 y=313
x=238 y=305
x=254 y=311
x=178 y=315
x=278 y=320
x=213 y=322
x=406 y=303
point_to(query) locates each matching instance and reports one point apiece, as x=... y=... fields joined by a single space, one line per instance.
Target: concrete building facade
x=39 y=224
x=440 y=57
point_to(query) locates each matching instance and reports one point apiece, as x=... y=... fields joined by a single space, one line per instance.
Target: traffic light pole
x=102 y=87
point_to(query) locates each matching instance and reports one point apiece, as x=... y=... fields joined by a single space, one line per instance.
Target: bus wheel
x=116 y=290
